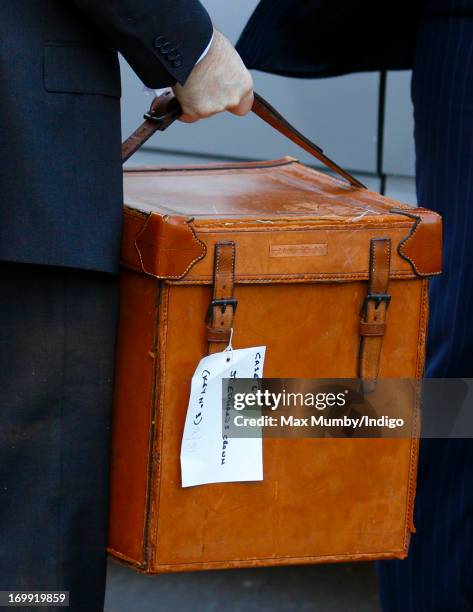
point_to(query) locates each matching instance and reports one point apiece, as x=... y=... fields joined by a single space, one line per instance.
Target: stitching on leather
x=414 y=446
x=415 y=433
x=195 y=260
x=409 y=237
x=403 y=243
x=431 y=212
x=151 y=467
x=160 y=420
x=247 y=560
x=292 y=278
x=233 y=259
x=131 y=214
x=269 y=229
x=217 y=269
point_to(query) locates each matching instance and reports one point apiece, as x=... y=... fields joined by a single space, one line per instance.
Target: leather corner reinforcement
x=167 y=246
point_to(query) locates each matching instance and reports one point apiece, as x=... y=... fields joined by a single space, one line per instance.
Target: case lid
x=289 y=222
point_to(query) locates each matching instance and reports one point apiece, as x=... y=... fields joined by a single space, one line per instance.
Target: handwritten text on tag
x=207 y=456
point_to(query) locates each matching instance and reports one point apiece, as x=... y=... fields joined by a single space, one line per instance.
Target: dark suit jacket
x=319 y=38
x=60 y=167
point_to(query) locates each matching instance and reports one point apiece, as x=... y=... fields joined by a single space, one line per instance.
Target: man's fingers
x=245 y=105
x=242 y=108
x=188 y=118
x=197 y=117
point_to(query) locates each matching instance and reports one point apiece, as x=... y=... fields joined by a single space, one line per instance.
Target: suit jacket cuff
x=162 y=41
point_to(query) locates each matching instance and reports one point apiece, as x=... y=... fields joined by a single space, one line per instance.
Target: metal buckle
x=377 y=298
x=161 y=121
x=223 y=303
x=170 y=113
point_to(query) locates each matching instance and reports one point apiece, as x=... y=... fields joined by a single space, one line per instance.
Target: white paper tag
x=207 y=456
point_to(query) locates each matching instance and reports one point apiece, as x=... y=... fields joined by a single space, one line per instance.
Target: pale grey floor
x=324 y=588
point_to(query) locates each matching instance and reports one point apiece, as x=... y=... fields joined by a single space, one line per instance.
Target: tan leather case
x=299 y=251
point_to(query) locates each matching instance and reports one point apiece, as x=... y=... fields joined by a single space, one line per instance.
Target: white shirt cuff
x=206 y=50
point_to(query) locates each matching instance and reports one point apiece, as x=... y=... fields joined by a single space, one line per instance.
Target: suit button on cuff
x=166 y=48
x=176 y=63
x=158 y=42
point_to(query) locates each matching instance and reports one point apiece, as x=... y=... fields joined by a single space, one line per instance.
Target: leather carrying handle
x=165 y=110
x=265 y=111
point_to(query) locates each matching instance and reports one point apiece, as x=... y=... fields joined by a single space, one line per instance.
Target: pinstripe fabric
x=438 y=574
x=319 y=38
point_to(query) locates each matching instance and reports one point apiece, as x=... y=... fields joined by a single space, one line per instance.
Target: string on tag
x=229 y=348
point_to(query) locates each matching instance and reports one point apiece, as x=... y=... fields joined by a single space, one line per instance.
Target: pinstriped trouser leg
x=438 y=574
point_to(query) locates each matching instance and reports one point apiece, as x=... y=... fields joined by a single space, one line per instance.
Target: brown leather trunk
x=299 y=252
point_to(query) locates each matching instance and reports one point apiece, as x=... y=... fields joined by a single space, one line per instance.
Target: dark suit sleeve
x=161 y=39
x=322 y=38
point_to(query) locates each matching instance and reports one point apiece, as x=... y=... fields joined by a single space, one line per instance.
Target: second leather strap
x=222 y=308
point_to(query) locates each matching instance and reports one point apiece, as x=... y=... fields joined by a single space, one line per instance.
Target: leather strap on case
x=265 y=111
x=165 y=110
x=222 y=308
x=373 y=313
